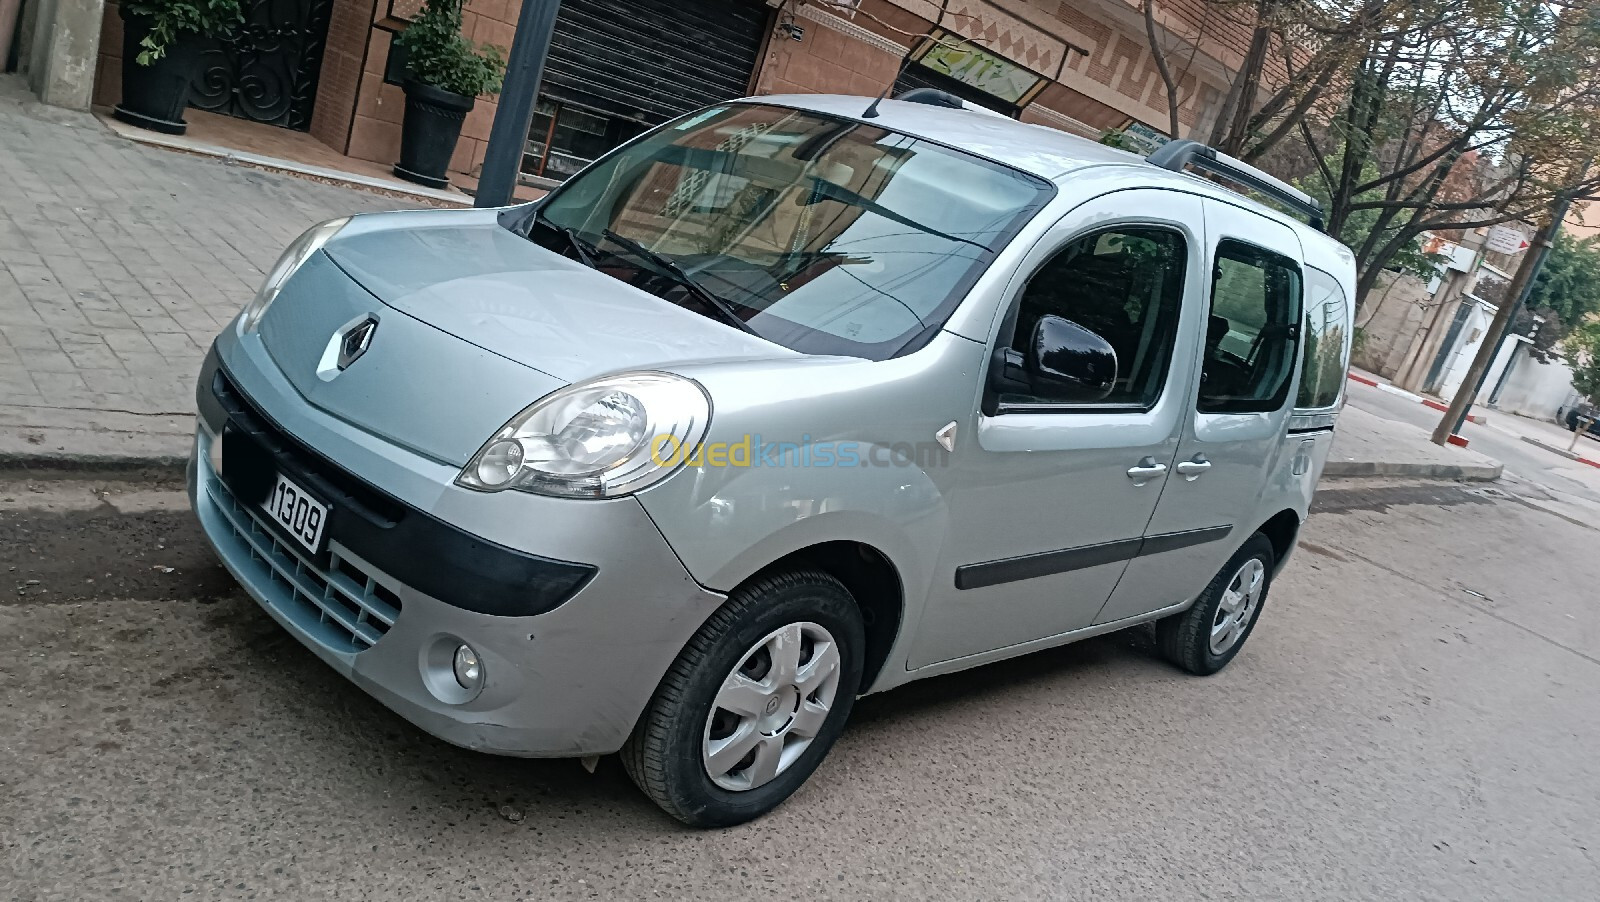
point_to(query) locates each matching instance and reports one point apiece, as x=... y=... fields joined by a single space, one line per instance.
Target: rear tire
x=753 y=703
x=1203 y=639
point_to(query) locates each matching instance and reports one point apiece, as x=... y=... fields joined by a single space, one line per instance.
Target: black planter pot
x=429 y=133
x=156 y=95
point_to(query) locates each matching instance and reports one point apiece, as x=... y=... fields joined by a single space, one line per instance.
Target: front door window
x=1125 y=285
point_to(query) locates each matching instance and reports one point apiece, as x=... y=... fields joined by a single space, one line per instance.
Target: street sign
x=1504 y=239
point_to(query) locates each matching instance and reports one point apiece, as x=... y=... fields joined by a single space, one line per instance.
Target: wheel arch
x=1282 y=530
x=872 y=580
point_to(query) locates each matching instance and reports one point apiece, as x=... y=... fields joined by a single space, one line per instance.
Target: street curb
x=1386 y=387
x=1561 y=451
x=1344 y=469
x=387 y=187
x=163 y=464
x=37 y=440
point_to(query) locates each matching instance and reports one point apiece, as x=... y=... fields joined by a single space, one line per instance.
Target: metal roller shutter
x=651 y=60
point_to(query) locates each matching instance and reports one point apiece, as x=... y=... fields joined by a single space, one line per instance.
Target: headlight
x=599 y=439
x=292 y=259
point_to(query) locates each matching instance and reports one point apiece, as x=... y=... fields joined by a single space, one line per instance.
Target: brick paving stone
x=120 y=262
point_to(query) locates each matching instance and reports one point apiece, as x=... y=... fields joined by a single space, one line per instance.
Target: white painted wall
x=1534 y=389
x=1467 y=344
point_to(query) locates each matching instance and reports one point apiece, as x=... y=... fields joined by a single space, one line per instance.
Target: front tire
x=753 y=703
x=1203 y=639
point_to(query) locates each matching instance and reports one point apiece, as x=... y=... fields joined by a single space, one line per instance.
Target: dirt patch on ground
x=52 y=557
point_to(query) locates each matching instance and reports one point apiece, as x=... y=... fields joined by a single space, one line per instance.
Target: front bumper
x=565 y=683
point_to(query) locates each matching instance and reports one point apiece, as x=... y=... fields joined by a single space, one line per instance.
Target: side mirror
x=1066 y=362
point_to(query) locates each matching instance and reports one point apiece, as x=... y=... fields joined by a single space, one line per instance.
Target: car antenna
x=938 y=40
x=871 y=111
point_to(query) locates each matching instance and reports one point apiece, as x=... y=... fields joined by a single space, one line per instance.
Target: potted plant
x=160 y=56
x=446 y=73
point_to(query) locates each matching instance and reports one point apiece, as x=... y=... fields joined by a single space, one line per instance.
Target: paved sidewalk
x=1549 y=436
x=118 y=264
x=1542 y=432
x=1369 y=445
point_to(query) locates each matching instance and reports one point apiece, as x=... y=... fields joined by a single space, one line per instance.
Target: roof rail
x=1176 y=155
x=931 y=97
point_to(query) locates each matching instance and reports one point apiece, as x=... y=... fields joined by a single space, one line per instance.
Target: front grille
x=333 y=481
x=344 y=606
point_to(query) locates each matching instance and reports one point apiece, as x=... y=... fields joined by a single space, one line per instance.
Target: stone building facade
x=621 y=66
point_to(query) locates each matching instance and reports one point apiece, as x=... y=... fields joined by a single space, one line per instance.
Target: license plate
x=301 y=515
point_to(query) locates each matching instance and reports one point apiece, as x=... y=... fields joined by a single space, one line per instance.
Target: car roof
x=1045 y=152
x=1042 y=151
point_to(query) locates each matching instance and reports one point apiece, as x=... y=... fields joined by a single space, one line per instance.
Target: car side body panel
x=727 y=522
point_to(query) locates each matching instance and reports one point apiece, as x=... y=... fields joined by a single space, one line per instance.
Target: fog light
x=469 y=672
x=214 y=454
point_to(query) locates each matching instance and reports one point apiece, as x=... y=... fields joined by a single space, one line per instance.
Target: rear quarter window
x=1326 y=348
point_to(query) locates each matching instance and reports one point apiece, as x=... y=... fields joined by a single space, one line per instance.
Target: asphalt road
x=1415 y=718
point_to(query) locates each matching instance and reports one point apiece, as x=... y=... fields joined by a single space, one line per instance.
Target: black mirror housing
x=1066 y=362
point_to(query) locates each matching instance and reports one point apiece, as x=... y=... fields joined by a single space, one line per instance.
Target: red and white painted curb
x=1569 y=455
x=1400 y=392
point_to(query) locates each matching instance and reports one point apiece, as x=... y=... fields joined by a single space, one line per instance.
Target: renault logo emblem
x=346 y=346
x=355 y=340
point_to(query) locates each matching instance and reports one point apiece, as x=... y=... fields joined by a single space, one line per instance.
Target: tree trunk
x=1160 y=56
x=1249 y=81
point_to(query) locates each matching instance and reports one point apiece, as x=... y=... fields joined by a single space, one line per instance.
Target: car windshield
x=825 y=235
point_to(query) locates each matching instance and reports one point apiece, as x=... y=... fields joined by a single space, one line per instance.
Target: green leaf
x=438 y=55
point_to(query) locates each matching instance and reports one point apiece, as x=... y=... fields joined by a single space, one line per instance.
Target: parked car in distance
x=784 y=402
x=1571 y=419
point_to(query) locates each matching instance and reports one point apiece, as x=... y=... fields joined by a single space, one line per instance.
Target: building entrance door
x=266 y=69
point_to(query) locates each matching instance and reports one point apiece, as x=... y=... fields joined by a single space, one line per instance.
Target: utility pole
x=502 y=160
x=1516 y=298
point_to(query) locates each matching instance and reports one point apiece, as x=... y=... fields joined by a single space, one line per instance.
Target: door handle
x=1146 y=470
x=1190 y=470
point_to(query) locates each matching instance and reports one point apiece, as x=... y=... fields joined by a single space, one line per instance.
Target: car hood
x=464 y=274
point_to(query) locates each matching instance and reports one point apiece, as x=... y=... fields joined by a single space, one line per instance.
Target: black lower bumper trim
x=414 y=547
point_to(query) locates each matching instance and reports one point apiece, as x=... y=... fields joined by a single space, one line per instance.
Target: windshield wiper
x=578 y=246
x=584 y=252
x=671 y=268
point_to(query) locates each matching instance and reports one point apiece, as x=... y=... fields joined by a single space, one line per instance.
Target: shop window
x=564 y=138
